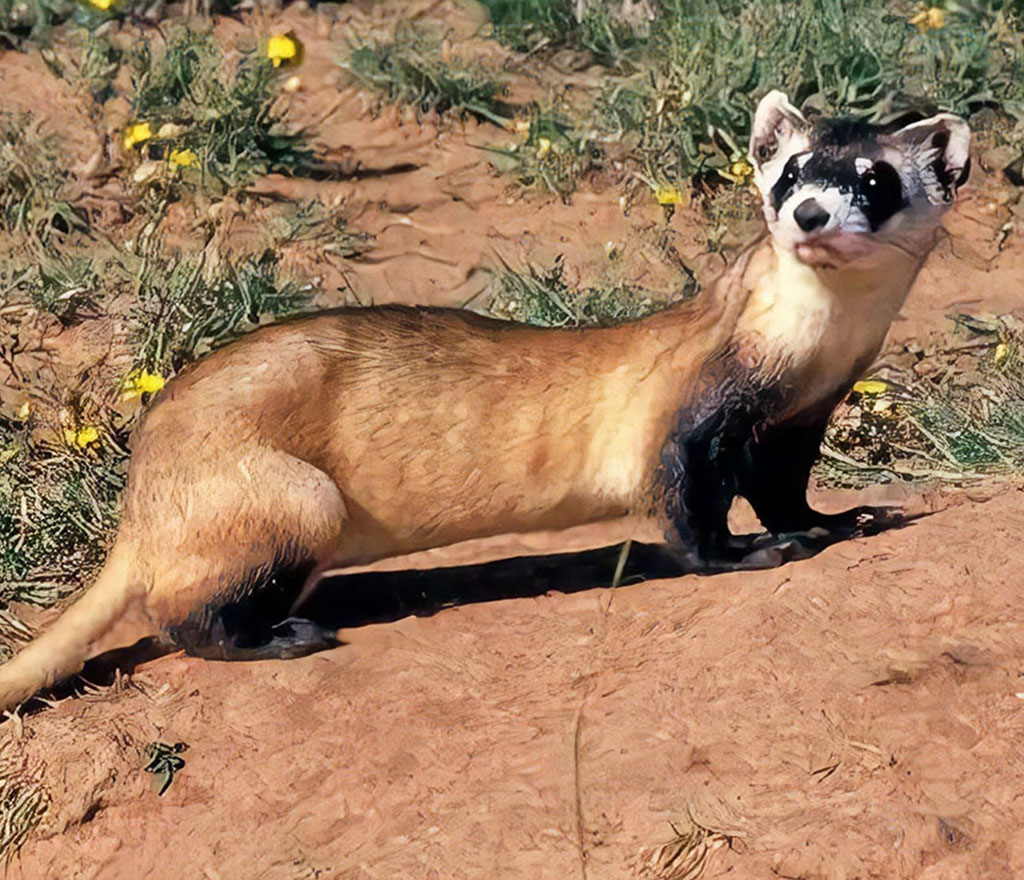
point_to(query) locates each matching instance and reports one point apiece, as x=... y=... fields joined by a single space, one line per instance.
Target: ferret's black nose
x=809 y=215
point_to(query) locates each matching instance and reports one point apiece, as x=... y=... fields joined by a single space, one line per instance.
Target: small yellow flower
x=543 y=147
x=103 y=5
x=929 y=19
x=136 y=134
x=82 y=437
x=870 y=386
x=669 y=195
x=284 y=49
x=1002 y=350
x=185 y=158
x=739 y=172
x=139 y=382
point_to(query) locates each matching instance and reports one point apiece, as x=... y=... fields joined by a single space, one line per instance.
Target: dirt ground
x=857 y=715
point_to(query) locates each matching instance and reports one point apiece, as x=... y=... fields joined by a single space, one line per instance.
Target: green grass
x=688 y=111
x=954 y=412
x=33 y=182
x=528 y=25
x=194 y=99
x=550 y=151
x=183 y=309
x=416 y=69
x=58 y=503
x=544 y=298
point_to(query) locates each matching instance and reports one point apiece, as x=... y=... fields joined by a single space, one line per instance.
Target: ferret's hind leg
x=232 y=551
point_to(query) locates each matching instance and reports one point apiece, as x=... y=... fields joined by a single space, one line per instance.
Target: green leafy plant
x=551 y=151
x=544 y=298
x=207 y=118
x=688 y=111
x=954 y=412
x=33 y=182
x=416 y=68
x=184 y=309
x=598 y=25
x=59 y=501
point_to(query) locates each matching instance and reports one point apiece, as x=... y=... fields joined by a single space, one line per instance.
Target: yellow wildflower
x=82 y=437
x=669 y=195
x=135 y=134
x=870 y=386
x=929 y=18
x=739 y=172
x=185 y=158
x=1002 y=350
x=284 y=49
x=103 y=5
x=139 y=382
x=543 y=147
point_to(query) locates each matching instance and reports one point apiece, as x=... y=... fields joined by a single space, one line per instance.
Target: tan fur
x=355 y=435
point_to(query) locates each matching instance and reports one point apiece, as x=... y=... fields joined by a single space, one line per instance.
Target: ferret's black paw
x=862 y=521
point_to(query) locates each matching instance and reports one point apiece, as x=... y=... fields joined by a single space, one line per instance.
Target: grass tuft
x=183 y=309
x=315 y=221
x=32 y=182
x=424 y=72
x=545 y=299
x=953 y=412
x=220 y=116
x=601 y=27
x=549 y=151
x=58 y=504
x=23 y=801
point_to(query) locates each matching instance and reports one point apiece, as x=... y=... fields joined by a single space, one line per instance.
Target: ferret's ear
x=776 y=122
x=939 y=147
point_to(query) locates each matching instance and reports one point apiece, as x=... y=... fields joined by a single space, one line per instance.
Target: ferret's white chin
x=831 y=251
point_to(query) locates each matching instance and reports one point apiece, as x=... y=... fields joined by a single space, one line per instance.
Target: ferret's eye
x=881 y=193
x=786 y=182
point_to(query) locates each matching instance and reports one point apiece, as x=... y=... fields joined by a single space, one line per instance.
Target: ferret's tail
x=62 y=650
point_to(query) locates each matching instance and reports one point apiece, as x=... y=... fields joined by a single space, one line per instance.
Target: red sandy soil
x=858 y=715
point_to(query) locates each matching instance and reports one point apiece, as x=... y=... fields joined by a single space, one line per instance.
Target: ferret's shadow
x=354 y=600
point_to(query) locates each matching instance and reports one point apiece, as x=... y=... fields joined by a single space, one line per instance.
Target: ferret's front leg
x=773 y=472
x=771 y=468
x=700 y=483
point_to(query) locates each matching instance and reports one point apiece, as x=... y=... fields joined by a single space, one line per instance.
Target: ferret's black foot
x=293 y=637
x=861 y=521
x=770 y=551
x=766 y=550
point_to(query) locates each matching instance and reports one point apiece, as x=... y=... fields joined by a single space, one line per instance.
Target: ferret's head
x=839 y=190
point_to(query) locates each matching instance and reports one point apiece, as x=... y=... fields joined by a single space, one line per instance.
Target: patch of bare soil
x=856 y=715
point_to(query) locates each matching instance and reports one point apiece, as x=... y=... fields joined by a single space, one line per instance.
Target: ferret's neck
x=795 y=289
x=819 y=327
